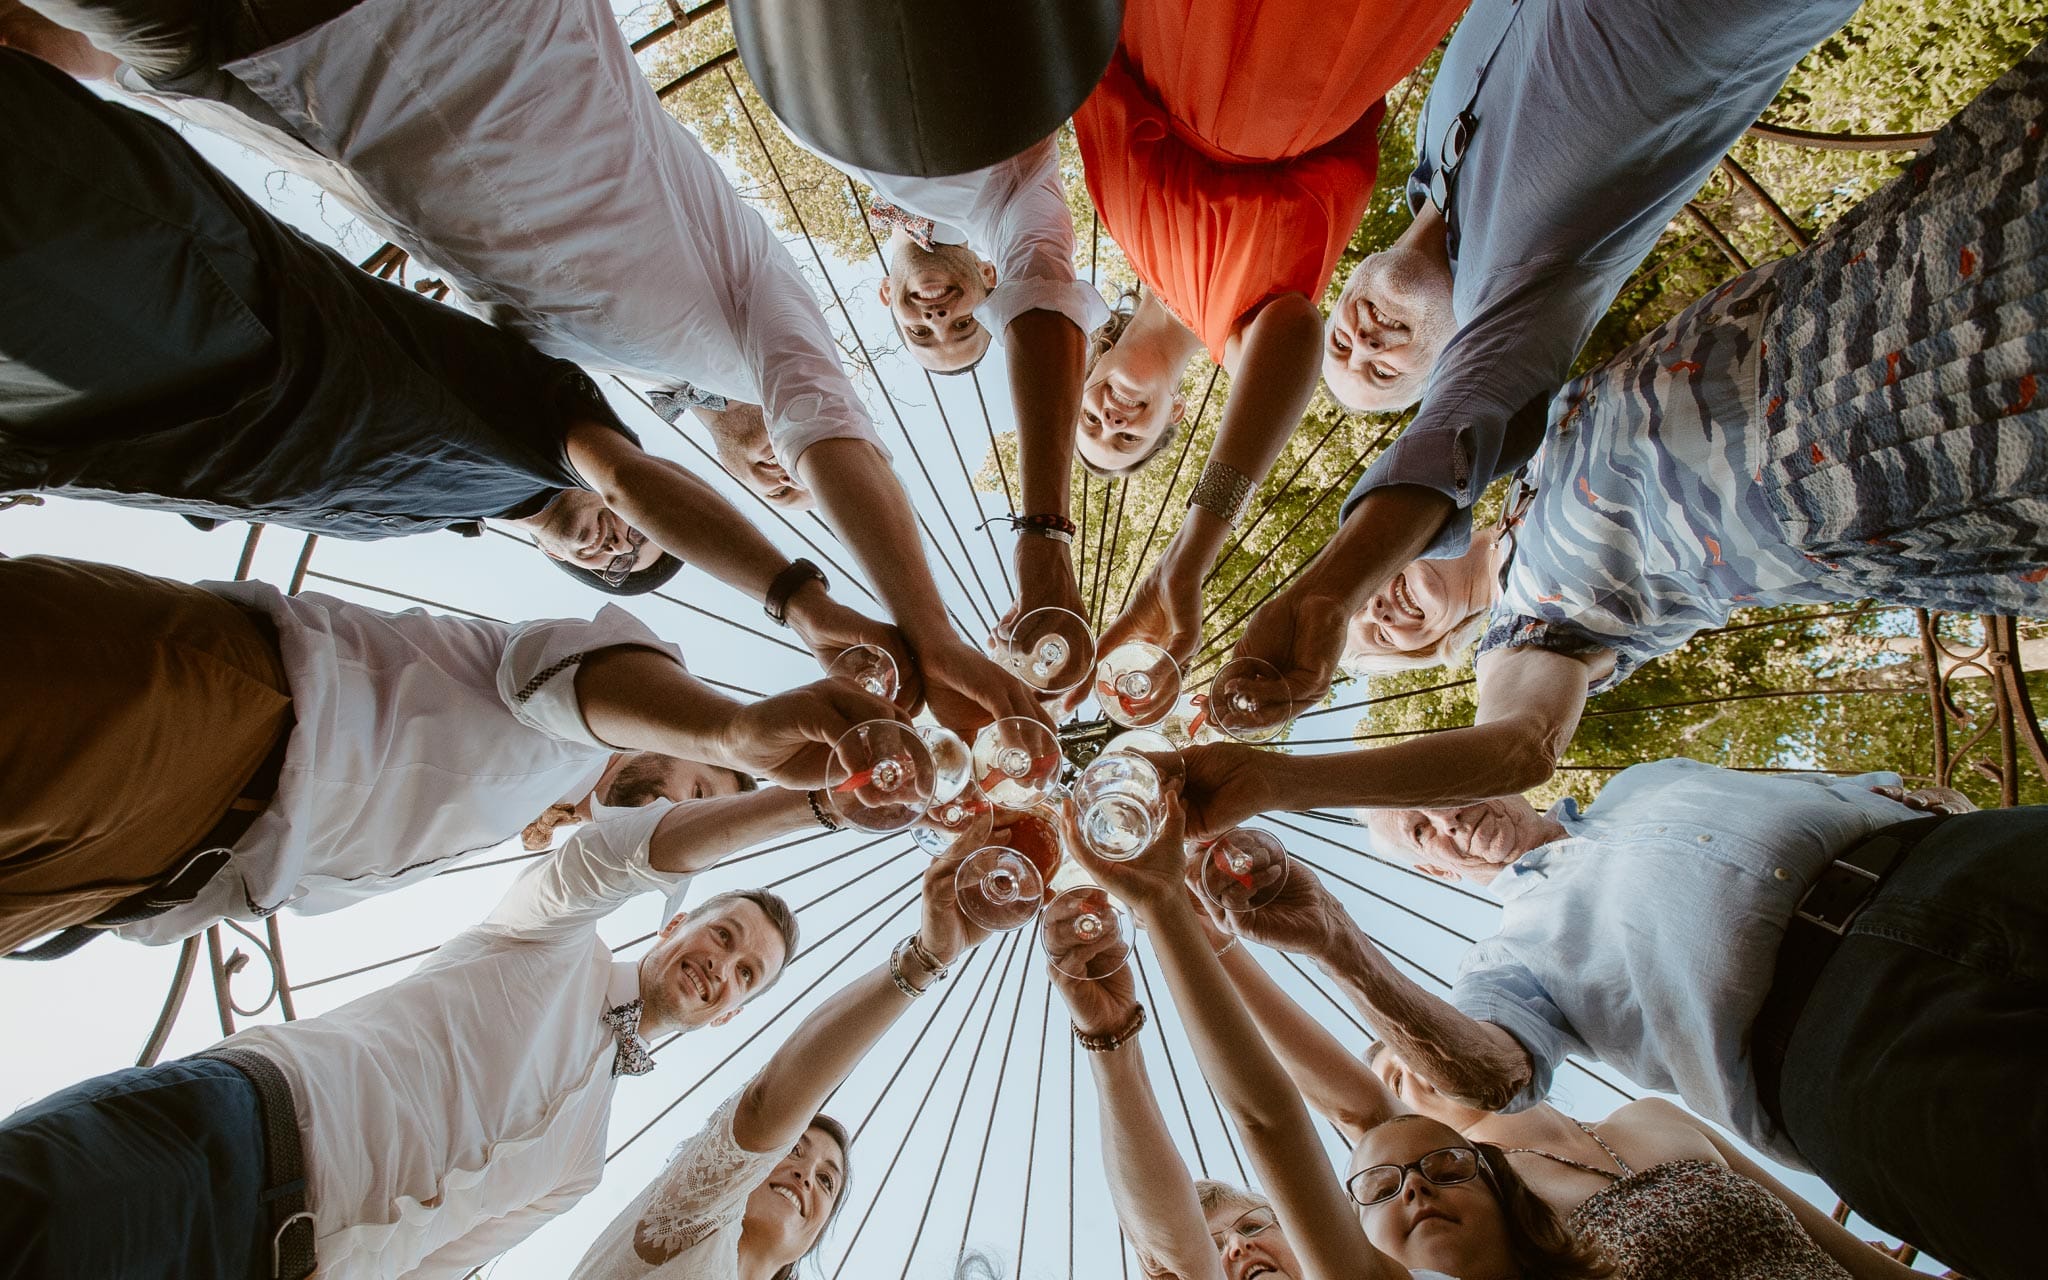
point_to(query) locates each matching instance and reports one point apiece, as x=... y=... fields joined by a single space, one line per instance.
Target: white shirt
x=413 y=749
x=447 y=1116
x=1015 y=213
x=516 y=147
x=690 y=1215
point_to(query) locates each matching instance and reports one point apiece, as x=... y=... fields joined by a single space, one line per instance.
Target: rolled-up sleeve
x=1494 y=988
x=1033 y=243
x=601 y=865
x=537 y=674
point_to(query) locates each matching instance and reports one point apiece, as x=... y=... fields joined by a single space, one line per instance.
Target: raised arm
x=778 y=1103
x=1149 y=1183
x=1263 y=1106
x=1334 y=1081
x=1047 y=354
x=1272 y=378
x=697 y=835
x=1529 y=706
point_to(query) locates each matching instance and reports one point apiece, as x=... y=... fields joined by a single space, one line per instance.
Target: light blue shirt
x=1592 y=124
x=1647 y=937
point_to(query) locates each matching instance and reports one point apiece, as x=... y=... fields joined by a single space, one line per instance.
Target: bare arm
x=1856 y=1256
x=1334 y=1081
x=1047 y=352
x=1148 y=1181
x=697 y=835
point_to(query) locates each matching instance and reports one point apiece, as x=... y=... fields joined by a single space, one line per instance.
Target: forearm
x=1149 y=1183
x=1384 y=533
x=780 y=1101
x=1435 y=771
x=1047 y=352
x=1472 y=1062
x=637 y=699
x=1334 y=1082
x=699 y=834
x=861 y=498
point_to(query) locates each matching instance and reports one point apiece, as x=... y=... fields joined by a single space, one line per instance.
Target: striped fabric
x=1887 y=440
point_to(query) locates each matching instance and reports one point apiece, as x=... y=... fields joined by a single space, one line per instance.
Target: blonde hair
x=1229 y=1197
x=1448 y=646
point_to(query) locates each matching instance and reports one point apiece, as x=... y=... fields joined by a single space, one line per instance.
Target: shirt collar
x=947 y=233
x=623 y=986
x=1527 y=871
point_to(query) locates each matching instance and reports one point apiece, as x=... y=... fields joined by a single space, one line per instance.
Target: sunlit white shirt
x=449 y=1115
x=1014 y=213
x=420 y=739
x=519 y=150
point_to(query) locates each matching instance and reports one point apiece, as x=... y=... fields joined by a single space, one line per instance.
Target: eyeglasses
x=620 y=567
x=1251 y=1223
x=1444 y=1167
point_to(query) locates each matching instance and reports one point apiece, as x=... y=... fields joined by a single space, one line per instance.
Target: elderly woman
x=750 y=1194
x=1422 y=1201
x=1232 y=170
x=1861 y=420
x=1660 y=1191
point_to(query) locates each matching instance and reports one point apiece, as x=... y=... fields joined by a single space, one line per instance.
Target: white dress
x=686 y=1224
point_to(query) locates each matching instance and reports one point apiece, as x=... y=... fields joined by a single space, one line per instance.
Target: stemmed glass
x=1121 y=803
x=1241 y=870
x=967 y=814
x=1136 y=684
x=881 y=777
x=1138 y=740
x=1049 y=649
x=1002 y=885
x=869 y=667
x=1086 y=935
x=1250 y=700
x=1017 y=760
x=952 y=760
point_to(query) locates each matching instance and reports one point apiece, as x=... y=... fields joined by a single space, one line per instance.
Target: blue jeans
x=1916 y=1080
x=150 y=1173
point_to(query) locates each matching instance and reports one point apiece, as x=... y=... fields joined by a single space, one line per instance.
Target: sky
x=975 y=1119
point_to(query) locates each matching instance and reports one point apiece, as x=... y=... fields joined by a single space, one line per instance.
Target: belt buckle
x=277 y=1241
x=1835 y=917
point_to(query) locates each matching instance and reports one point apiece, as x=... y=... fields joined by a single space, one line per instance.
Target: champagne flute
x=998 y=888
x=1017 y=761
x=881 y=776
x=1050 y=649
x=1243 y=869
x=1136 y=684
x=869 y=667
x=1086 y=935
x=1121 y=801
x=967 y=814
x=1250 y=700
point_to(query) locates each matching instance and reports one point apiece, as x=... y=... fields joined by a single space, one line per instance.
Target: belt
x=1818 y=925
x=190 y=874
x=288 y=1222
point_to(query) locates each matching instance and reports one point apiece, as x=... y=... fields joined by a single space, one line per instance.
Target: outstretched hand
x=1226 y=783
x=1100 y=1005
x=943 y=928
x=1304 y=917
x=1149 y=882
x=1045 y=580
x=788 y=738
x=829 y=628
x=1301 y=633
x=967 y=691
x=1165 y=609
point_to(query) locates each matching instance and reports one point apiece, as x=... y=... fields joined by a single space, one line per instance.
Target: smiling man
x=423 y=1128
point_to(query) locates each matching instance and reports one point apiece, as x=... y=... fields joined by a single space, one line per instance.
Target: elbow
x=1291 y=319
x=1528 y=757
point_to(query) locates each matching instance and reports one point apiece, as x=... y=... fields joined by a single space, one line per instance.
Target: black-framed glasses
x=1250 y=1224
x=620 y=567
x=1450 y=156
x=1443 y=1167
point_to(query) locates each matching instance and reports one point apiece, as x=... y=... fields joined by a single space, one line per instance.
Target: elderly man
x=426 y=1127
x=1850 y=986
x=1557 y=143
x=178 y=754
x=527 y=160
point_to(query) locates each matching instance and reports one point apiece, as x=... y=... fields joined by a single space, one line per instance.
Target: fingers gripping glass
x=880 y=777
x=1086 y=935
x=1049 y=649
x=1250 y=700
x=869 y=667
x=1243 y=869
x=1250 y=1225
x=1136 y=684
x=1444 y=1167
x=1122 y=802
x=1017 y=761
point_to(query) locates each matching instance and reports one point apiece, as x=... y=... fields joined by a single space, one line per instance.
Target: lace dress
x=686 y=1224
x=1693 y=1220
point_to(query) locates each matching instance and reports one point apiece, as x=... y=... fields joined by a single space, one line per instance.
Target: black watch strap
x=788 y=583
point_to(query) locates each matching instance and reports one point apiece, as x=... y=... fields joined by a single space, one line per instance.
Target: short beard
x=641 y=780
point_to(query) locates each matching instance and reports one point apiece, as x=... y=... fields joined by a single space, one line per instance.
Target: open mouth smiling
x=794 y=1201
x=1397 y=591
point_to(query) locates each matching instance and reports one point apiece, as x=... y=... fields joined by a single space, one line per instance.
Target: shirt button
x=1706 y=839
x=1779 y=873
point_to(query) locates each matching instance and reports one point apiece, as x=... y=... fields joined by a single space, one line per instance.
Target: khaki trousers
x=133 y=710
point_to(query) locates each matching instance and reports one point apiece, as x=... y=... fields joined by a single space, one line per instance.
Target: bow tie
x=883 y=215
x=633 y=1058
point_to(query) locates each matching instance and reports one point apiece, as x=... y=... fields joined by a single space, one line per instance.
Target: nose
x=1112 y=415
x=935 y=310
x=1236 y=1247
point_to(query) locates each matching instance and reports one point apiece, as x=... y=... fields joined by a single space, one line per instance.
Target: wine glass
x=1049 y=649
x=1086 y=935
x=881 y=776
x=1136 y=684
x=869 y=667
x=967 y=814
x=1120 y=799
x=998 y=888
x=1242 y=869
x=1250 y=700
x=1017 y=760
x=952 y=760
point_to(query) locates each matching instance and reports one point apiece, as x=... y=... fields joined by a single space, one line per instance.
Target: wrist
x=939 y=955
x=1340 y=952
x=804 y=604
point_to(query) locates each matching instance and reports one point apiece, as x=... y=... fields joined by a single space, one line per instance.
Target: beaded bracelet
x=1056 y=527
x=818 y=811
x=1115 y=1039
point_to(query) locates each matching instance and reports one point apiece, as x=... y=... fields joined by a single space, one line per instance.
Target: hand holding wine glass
x=1150 y=881
x=1302 y=917
x=1098 y=1006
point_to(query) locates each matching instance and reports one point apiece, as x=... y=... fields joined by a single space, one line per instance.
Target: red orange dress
x=1232 y=145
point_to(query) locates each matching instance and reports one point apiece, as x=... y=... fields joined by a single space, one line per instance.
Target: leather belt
x=1813 y=934
x=190 y=874
x=287 y=1223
